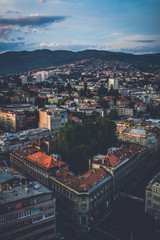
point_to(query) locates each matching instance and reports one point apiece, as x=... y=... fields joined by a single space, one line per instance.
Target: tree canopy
x=77 y=143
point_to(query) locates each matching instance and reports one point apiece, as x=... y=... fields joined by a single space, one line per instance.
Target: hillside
x=13 y=62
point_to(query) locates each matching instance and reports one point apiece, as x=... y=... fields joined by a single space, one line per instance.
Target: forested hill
x=13 y=62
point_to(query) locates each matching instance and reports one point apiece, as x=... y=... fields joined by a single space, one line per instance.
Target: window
x=37 y=219
x=156 y=189
x=37 y=210
x=49 y=215
x=149 y=202
x=36 y=201
x=156 y=198
x=83 y=220
x=156 y=207
x=11 y=207
x=83 y=209
x=48 y=206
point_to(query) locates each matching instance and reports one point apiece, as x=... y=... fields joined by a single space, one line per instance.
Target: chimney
x=103 y=160
x=90 y=164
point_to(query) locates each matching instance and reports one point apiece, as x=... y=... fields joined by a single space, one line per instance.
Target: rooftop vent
x=37 y=186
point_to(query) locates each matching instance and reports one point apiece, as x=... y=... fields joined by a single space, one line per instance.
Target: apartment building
x=124 y=111
x=14 y=141
x=123 y=163
x=113 y=83
x=12 y=121
x=24 y=79
x=27 y=211
x=148 y=136
x=152 y=197
x=81 y=198
x=53 y=119
x=37 y=166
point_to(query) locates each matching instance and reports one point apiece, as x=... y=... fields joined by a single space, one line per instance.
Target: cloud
x=133 y=43
x=142 y=41
x=20 y=38
x=34 y=21
x=5 y=30
x=11 y=11
x=137 y=44
x=40 y=1
x=69 y=46
x=11 y=46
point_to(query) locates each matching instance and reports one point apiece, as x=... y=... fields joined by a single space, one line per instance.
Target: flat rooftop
x=32 y=189
x=6 y=174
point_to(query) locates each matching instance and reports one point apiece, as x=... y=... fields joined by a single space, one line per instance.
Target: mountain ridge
x=14 y=61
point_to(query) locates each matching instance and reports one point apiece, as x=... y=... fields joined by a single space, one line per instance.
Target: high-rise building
x=24 y=79
x=113 y=83
x=53 y=119
x=42 y=76
x=12 y=121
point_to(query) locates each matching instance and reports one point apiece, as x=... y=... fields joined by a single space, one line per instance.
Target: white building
x=113 y=82
x=53 y=119
x=43 y=75
x=24 y=79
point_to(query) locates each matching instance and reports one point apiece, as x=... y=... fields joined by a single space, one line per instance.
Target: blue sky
x=113 y=25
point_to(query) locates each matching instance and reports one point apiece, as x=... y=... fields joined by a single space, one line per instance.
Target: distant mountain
x=13 y=62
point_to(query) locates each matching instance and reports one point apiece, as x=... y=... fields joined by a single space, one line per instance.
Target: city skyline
x=125 y=26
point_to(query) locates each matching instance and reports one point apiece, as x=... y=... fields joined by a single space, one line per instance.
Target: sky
x=131 y=26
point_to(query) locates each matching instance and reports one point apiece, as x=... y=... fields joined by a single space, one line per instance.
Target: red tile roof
x=81 y=183
x=45 y=160
x=74 y=118
x=41 y=159
x=68 y=101
x=116 y=157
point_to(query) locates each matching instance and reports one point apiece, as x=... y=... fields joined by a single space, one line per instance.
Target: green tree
x=69 y=88
x=77 y=143
x=102 y=91
x=113 y=115
x=84 y=91
x=40 y=102
x=103 y=103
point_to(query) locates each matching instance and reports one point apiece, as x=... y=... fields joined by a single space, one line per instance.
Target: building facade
x=123 y=163
x=113 y=83
x=152 y=198
x=27 y=212
x=14 y=141
x=146 y=136
x=53 y=119
x=81 y=198
x=12 y=121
